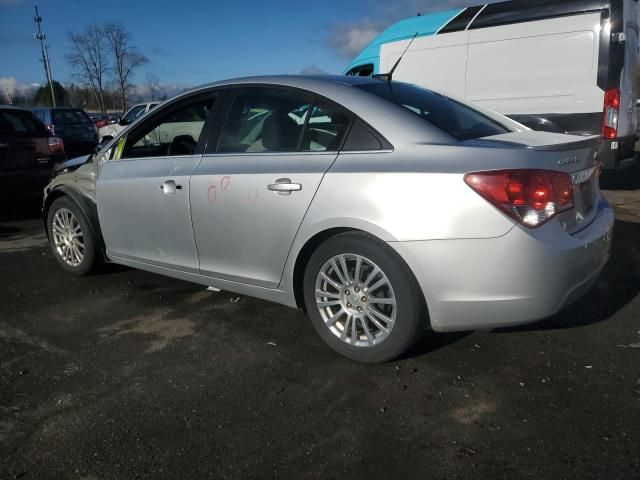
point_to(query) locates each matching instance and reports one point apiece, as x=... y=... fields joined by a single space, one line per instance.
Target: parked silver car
x=380 y=208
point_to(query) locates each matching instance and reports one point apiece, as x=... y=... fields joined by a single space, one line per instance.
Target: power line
x=45 y=54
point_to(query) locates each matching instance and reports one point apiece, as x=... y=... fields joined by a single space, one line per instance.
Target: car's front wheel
x=363 y=299
x=70 y=237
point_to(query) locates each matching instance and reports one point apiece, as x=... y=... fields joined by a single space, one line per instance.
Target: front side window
x=174 y=133
x=454 y=118
x=265 y=120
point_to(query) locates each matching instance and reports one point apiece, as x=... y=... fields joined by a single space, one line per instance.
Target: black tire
x=411 y=314
x=89 y=260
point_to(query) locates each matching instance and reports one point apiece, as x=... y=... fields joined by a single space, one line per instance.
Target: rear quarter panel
x=417 y=194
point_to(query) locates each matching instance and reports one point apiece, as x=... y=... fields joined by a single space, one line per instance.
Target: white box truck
x=561 y=66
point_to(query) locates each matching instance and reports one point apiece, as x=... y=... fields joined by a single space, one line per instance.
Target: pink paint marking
x=224 y=183
x=253 y=195
x=211 y=193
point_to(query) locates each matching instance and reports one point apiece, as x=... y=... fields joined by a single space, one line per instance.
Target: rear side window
x=264 y=120
x=326 y=128
x=454 y=118
x=16 y=121
x=362 y=139
x=70 y=117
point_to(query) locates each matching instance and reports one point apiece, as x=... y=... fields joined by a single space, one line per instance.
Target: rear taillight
x=532 y=197
x=55 y=144
x=610 y=114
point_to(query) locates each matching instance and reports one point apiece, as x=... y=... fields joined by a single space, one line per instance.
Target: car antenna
x=389 y=76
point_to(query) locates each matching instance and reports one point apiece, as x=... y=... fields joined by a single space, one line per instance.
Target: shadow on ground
x=20 y=209
x=618 y=285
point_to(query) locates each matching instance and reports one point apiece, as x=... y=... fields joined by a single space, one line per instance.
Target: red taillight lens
x=532 y=197
x=55 y=144
x=101 y=123
x=610 y=114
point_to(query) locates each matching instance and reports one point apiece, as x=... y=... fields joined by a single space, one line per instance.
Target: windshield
x=454 y=118
x=133 y=114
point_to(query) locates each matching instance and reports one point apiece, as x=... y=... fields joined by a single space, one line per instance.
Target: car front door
x=143 y=190
x=252 y=189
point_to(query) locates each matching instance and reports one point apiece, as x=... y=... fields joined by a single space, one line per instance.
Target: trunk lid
x=575 y=155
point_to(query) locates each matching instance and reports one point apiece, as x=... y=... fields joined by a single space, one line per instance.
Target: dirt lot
x=131 y=375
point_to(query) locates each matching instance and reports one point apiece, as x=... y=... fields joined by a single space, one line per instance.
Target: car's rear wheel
x=70 y=237
x=362 y=298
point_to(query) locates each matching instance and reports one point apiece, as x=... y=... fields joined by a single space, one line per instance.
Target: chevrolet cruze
x=380 y=208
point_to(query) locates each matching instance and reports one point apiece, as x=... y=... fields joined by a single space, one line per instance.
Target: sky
x=193 y=42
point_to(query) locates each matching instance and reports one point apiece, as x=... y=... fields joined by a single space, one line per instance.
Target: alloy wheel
x=356 y=300
x=67 y=237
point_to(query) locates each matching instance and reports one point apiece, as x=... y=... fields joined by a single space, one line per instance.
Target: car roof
x=294 y=80
x=11 y=107
x=396 y=123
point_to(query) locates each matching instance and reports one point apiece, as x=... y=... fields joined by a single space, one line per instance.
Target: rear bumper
x=521 y=277
x=619 y=153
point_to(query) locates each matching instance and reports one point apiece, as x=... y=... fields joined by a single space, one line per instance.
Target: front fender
x=86 y=204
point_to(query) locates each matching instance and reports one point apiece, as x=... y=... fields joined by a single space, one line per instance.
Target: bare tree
x=89 y=59
x=125 y=57
x=153 y=83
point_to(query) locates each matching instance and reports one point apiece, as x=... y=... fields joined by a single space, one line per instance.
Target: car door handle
x=169 y=187
x=283 y=186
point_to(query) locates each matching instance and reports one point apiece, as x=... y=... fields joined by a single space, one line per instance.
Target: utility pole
x=45 y=54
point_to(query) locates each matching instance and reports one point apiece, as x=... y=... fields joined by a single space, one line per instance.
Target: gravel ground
x=126 y=374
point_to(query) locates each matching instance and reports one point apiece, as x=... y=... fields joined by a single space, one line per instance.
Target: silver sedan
x=381 y=209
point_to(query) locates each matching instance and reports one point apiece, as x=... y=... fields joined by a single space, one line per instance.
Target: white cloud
x=10 y=85
x=350 y=38
x=312 y=70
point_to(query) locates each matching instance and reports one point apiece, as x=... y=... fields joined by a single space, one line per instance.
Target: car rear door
x=143 y=190
x=24 y=153
x=253 y=187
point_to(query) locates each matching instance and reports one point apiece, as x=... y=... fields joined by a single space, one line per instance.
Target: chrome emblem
x=568 y=160
x=582 y=176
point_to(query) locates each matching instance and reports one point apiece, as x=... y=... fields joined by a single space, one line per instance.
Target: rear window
x=40 y=115
x=16 y=121
x=454 y=118
x=70 y=117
